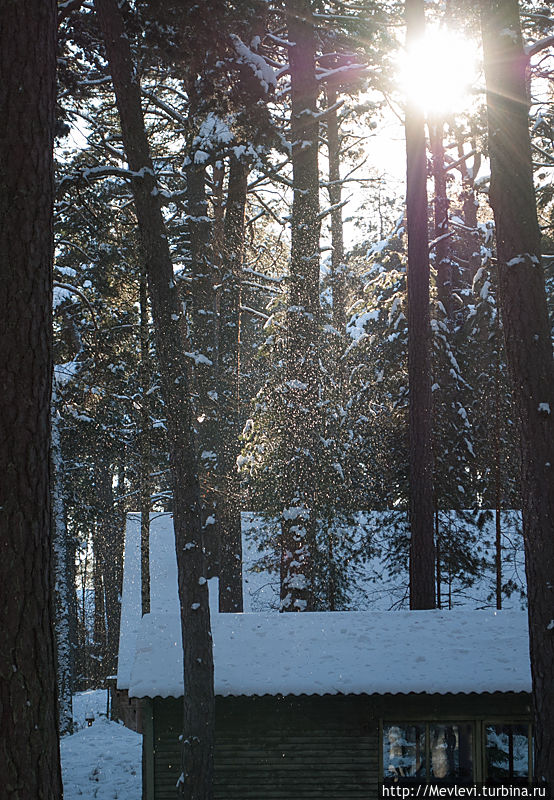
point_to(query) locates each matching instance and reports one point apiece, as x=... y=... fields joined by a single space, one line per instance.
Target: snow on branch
x=461 y=160
x=254 y=312
x=68 y=289
x=325 y=74
x=94 y=173
x=88 y=258
x=273 y=173
x=274 y=216
x=279 y=40
x=325 y=113
x=543 y=152
x=66 y=8
x=250 y=271
x=169 y=110
x=435 y=242
x=330 y=209
x=99 y=173
x=256 y=217
x=64 y=373
x=456 y=222
x=257 y=63
x=539 y=46
x=254 y=285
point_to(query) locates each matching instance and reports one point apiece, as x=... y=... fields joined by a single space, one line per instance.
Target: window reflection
x=507 y=752
x=403 y=751
x=450 y=747
x=421 y=751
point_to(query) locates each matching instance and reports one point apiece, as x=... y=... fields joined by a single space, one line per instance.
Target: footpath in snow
x=101 y=762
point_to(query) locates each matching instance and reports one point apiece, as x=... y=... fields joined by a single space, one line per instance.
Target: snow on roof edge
x=363 y=652
x=403 y=652
x=348 y=694
x=130 y=601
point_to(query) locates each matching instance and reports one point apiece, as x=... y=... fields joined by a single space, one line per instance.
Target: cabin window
x=403 y=751
x=508 y=751
x=427 y=751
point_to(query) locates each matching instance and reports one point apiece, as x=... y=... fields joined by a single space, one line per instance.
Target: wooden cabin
x=332 y=705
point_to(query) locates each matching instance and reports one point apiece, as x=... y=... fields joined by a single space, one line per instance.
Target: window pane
x=450 y=751
x=403 y=752
x=507 y=751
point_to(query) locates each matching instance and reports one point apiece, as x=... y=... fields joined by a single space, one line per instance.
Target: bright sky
x=441 y=73
x=440 y=70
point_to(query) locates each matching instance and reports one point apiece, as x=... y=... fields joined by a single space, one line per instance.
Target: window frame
x=426 y=723
x=478 y=737
x=496 y=720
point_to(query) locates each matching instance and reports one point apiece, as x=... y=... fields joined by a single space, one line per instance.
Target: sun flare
x=438 y=71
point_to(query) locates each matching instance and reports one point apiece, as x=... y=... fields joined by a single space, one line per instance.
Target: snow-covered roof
x=347 y=652
x=163 y=584
x=130 y=601
x=369 y=652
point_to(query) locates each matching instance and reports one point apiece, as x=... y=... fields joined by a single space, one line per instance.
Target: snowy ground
x=102 y=761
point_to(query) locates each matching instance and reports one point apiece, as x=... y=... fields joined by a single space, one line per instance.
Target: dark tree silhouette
x=422 y=553
x=29 y=751
x=199 y=720
x=527 y=340
x=298 y=523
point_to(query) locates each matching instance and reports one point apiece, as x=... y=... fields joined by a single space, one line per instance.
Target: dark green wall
x=295 y=748
x=292 y=748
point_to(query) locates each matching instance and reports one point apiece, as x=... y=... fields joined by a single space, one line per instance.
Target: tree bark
x=62 y=573
x=442 y=248
x=197 y=753
x=108 y=549
x=144 y=444
x=527 y=340
x=29 y=749
x=203 y=323
x=301 y=389
x=230 y=561
x=99 y=633
x=338 y=267
x=470 y=250
x=497 y=484
x=82 y=666
x=422 y=552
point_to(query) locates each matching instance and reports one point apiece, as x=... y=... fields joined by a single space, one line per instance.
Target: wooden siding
x=295 y=748
x=300 y=748
x=275 y=748
x=127 y=710
x=166 y=729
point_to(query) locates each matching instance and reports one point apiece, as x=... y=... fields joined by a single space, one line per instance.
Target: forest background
x=218 y=123
x=233 y=328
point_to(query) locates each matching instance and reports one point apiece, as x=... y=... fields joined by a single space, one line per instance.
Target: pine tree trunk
x=438 y=556
x=110 y=554
x=527 y=340
x=301 y=390
x=338 y=276
x=204 y=332
x=108 y=561
x=470 y=250
x=82 y=660
x=198 y=738
x=497 y=485
x=422 y=553
x=218 y=202
x=144 y=444
x=230 y=561
x=442 y=247
x=62 y=591
x=98 y=649
x=29 y=750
